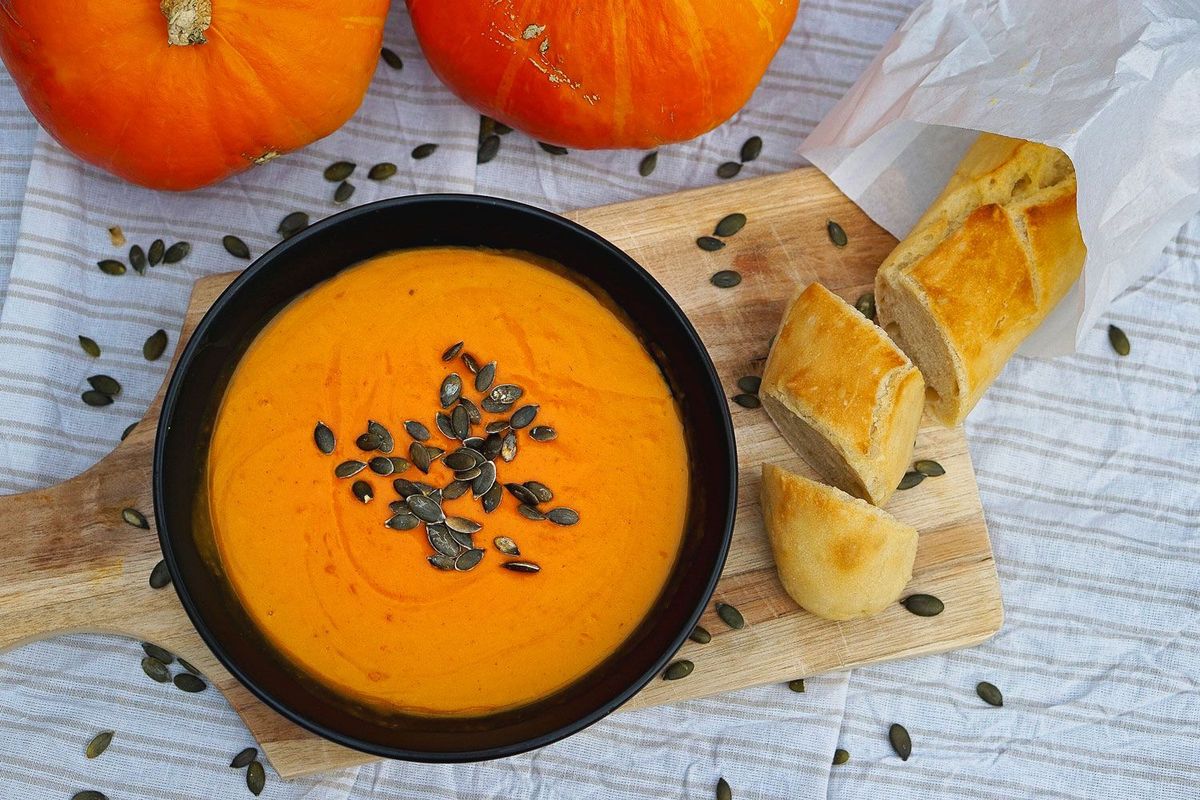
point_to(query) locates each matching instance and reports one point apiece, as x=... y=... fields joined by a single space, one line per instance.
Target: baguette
x=843 y=395
x=982 y=268
x=837 y=556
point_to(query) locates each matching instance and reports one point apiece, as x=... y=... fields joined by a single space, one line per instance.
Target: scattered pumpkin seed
x=96 y=399
x=338 y=171
x=89 y=794
x=508 y=446
x=460 y=460
x=160 y=576
x=901 y=741
x=540 y=491
x=470 y=363
x=1118 y=340
x=523 y=416
x=730 y=225
x=402 y=522
x=724 y=791
x=382 y=434
x=491 y=500
x=840 y=756
x=89 y=346
x=522 y=494
x=485 y=480
x=405 y=488
x=553 y=149
x=700 y=635
x=989 y=694
x=323 y=436
x=425 y=509
x=156 y=669
x=382 y=171
x=105 y=384
x=424 y=150
x=506 y=393
x=679 y=669
x=473 y=415
x=111 y=266
x=176 y=253
x=709 y=243
x=363 y=491
x=648 y=164
x=235 y=247
x=468 y=560
x=441 y=562
x=506 y=545
x=451 y=390
x=531 y=512
x=135 y=518
x=747 y=400
x=128 y=430
x=348 y=469
x=797 y=685
x=116 y=236
x=343 y=192
x=726 y=279
x=98 y=744
x=521 y=566
x=929 y=468
x=463 y=525
x=489 y=447
x=442 y=420
x=137 y=259
x=440 y=540
x=154 y=651
x=836 y=234
x=923 y=605
x=154 y=255
x=488 y=149
x=494 y=406
x=731 y=616
x=416 y=430
x=910 y=479
x=188 y=682
x=485 y=377
x=244 y=758
x=751 y=149
x=420 y=457
x=496 y=426
x=455 y=489
x=155 y=345
x=729 y=169
x=866 y=305
x=292 y=224
x=563 y=516
x=186 y=665
x=750 y=384
x=256 y=777
x=390 y=58
x=543 y=433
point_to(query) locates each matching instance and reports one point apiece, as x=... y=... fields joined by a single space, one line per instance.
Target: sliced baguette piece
x=843 y=395
x=982 y=268
x=837 y=556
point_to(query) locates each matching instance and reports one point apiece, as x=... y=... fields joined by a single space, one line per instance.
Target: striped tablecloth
x=1087 y=465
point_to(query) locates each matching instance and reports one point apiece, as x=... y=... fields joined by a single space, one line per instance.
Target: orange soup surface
x=358 y=605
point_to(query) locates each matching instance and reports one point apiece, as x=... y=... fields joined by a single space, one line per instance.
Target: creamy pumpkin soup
x=447 y=481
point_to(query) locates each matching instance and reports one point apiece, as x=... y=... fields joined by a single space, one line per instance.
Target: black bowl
x=314 y=255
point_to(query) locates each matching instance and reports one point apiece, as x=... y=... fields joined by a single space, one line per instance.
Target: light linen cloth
x=1087 y=465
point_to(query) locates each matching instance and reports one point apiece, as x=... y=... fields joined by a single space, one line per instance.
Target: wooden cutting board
x=69 y=563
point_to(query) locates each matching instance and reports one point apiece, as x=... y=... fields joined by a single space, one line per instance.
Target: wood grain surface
x=69 y=563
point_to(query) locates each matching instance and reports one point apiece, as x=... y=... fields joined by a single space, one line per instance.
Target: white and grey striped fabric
x=1087 y=466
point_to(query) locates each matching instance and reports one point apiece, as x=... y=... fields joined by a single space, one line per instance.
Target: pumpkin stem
x=187 y=20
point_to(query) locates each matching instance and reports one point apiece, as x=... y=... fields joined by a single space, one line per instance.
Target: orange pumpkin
x=603 y=73
x=184 y=95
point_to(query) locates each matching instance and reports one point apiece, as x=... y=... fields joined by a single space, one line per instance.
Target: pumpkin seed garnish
x=700 y=635
x=523 y=416
x=363 y=491
x=425 y=509
x=160 y=576
x=292 y=224
x=156 y=669
x=176 y=253
x=105 y=384
x=390 y=58
x=553 y=149
x=507 y=546
x=648 y=164
x=923 y=605
x=323 y=436
x=728 y=169
x=866 y=305
x=451 y=390
x=468 y=560
x=840 y=756
x=256 y=777
x=469 y=474
x=460 y=461
x=521 y=566
x=563 y=516
x=750 y=384
x=442 y=420
x=709 y=243
x=485 y=376
x=491 y=500
x=188 y=667
x=402 y=521
x=494 y=406
x=155 y=345
x=416 y=430
x=540 y=491
x=424 y=150
x=452 y=351
x=188 y=682
x=506 y=393
x=750 y=149
x=929 y=468
x=441 y=562
x=156 y=652
x=497 y=426
x=485 y=480
x=543 y=433
x=96 y=399
x=382 y=171
x=726 y=279
x=439 y=539
x=747 y=400
x=89 y=794
x=111 y=266
x=98 y=744
x=455 y=489
x=730 y=225
x=724 y=792
x=343 y=192
x=911 y=479
x=989 y=694
x=508 y=446
x=463 y=525
x=522 y=494
x=731 y=616
x=382 y=435
x=470 y=363
x=797 y=685
x=244 y=758
x=488 y=149
x=137 y=259
x=135 y=518
x=128 y=430
x=901 y=741
x=460 y=422
x=89 y=346
x=490 y=447
x=473 y=414
x=531 y=512
x=1118 y=340
x=348 y=469
x=235 y=247
x=405 y=488
x=420 y=456
x=836 y=234
x=154 y=255
x=339 y=170
x=680 y=669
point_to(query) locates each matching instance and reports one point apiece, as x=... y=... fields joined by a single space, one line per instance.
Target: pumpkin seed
x=490 y=447
x=522 y=494
x=729 y=169
x=923 y=605
x=425 y=509
x=1118 y=340
x=402 y=521
x=553 y=149
x=137 y=259
x=501 y=128
x=128 y=430
x=473 y=415
x=156 y=669
x=468 y=560
x=176 y=253
x=439 y=539
x=521 y=566
x=463 y=525
x=188 y=667
x=543 y=433
x=292 y=224
x=724 y=792
x=700 y=635
x=750 y=384
x=531 y=512
x=368 y=442
x=135 y=518
x=96 y=399
x=836 y=234
x=523 y=416
x=89 y=794
x=348 y=469
x=416 y=430
x=648 y=164
x=98 y=744
x=460 y=422
x=456 y=489
x=494 y=406
x=244 y=757
x=188 y=682
x=491 y=500
x=105 y=385
x=750 y=149
x=840 y=757
x=451 y=390
x=726 y=279
x=910 y=479
x=424 y=150
x=470 y=363
x=442 y=421
x=405 y=488
x=507 y=546
x=731 y=616
x=160 y=576
x=155 y=345
x=235 y=247
x=488 y=149
x=390 y=58
x=989 y=694
x=89 y=346
x=563 y=516
x=680 y=669
x=508 y=446
x=506 y=393
x=434 y=453
x=154 y=255
x=540 y=491
x=441 y=562
x=386 y=443
x=929 y=468
x=111 y=266
x=363 y=491
x=901 y=741
x=343 y=192
x=420 y=456
x=797 y=685
x=460 y=460
x=866 y=305
x=730 y=225
x=709 y=243
x=496 y=426
x=452 y=351
x=256 y=777
x=382 y=171
x=747 y=400
x=156 y=652
x=485 y=376
x=323 y=436
x=469 y=474
x=339 y=170
x=485 y=481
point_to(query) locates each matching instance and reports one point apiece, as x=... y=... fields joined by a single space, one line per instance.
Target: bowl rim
x=280 y=251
